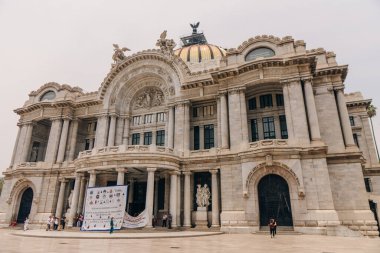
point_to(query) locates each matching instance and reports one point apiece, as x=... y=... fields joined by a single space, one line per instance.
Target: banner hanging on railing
x=135 y=222
x=101 y=204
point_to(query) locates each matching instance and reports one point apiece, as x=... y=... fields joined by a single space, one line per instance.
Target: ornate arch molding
x=263 y=38
x=21 y=185
x=174 y=62
x=277 y=168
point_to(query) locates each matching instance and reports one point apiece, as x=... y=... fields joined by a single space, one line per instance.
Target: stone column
x=101 y=131
x=63 y=141
x=27 y=142
x=215 y=198
x=15 y=146
x=171 y=128
x=52 y=146
x=150 y=195
x=344 y=118
x=187 y=200
x=173 y=197
x=201 y=137
x=119 y=131
x=92 y=181
x=182 y=128
x=179 y=200
x=295 y=113
x=82 y=194
x=277 y=127
x=74 y=202
x=73 y=139
x=154 y=136
x=155 y=206
x=288 y=115
x=187 y=127
x=120 y=175
x=126 y=131
x=167 y=192
x=112 y=131
x=244 y=118
x=131 y=187
x=224 y=120
x=312 y=112
x=61 y=196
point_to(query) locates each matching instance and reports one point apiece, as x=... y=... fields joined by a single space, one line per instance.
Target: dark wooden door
x=274 y=201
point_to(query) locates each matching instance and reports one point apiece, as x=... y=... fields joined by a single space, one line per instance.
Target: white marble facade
x=163 y=122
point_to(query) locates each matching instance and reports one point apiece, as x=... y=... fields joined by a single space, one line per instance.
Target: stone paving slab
x=107 y=235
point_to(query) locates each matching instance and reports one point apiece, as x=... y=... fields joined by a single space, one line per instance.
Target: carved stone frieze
x=148 y=98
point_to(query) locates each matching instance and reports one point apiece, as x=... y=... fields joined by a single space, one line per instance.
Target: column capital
x=236 y=90
x=55 y=118
x=63 y=180
x=125 y=170
x=187 y=173
x=222 y=93
x=175 y=172
x=214 y=171
x=339 y=88
x=94 y=172
x=182 y=103
x=151 y=169
x=79 y=174
x=293 y=80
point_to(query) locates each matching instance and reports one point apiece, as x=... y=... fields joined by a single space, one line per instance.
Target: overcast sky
x=70 y=41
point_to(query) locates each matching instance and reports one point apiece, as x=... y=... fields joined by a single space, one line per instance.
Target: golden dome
x=200 y=53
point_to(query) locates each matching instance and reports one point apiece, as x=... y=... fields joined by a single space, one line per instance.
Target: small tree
x=371 y=111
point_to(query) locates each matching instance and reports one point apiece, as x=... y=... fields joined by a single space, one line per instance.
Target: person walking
x=275 y=226
x=164 y=219
x=26 y=224
x=272 y=227
x=111 y=226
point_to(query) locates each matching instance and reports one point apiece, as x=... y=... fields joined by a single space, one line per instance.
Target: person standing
x=111 y=226
x=170 y=218
x=63 y=222
x=164 y=219
x=26 y=223
x=275 y=227
x=48 y=223
x=272 y=227
x=56 y=223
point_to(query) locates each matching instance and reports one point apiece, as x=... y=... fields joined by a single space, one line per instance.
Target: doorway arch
x=274 y=200
x=25 y=205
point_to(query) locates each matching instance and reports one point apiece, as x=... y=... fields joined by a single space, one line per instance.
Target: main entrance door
x=25 y=205
x=274 y=201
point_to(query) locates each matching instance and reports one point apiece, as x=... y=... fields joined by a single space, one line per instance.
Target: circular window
x=49 y=95
x=259 y=52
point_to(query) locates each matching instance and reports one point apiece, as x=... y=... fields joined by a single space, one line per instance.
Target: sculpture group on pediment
x=150 y=97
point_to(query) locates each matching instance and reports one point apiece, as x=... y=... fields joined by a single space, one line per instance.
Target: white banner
x=135 y=222
x=101 y=204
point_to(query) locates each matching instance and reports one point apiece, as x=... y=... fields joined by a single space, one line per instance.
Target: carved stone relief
x=150 y=97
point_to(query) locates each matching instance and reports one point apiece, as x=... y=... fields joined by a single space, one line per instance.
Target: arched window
x=49 y=95
x=259 y=52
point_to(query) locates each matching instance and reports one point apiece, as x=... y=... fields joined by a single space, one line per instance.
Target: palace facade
x=267 y=126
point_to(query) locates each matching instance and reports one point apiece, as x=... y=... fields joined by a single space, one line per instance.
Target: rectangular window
x=252 y=104
x=254 y=130
x=368 y=184
x=208 y=110
x=160 y=117
x=196 y=138
x=87 y=144
x=136 y=139
x=283 y=127
x=160 y=138
x=268 y=127
x=279 y=100
x=195 y=112
x=352 y=121
x=147 y=138
x=95 y=125
x=356 y=139
x=136 y=120
x=266 y=101
x=209 y=136
x=148 y=118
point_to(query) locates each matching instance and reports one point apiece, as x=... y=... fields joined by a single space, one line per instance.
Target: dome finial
x=195 y=26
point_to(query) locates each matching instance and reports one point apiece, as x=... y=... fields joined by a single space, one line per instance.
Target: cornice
x=365 y=102
x=335 y=70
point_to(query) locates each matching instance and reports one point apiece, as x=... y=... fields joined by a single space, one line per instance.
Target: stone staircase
x=280 y=231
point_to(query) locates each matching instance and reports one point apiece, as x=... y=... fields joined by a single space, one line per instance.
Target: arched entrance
x=274 y=201
x=25 y=205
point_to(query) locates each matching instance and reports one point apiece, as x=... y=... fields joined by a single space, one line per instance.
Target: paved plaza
x=11 y=243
